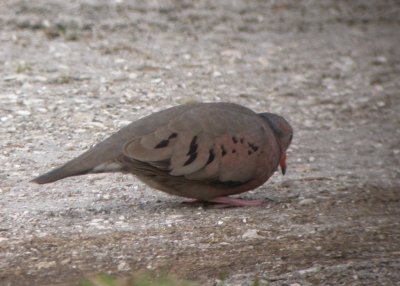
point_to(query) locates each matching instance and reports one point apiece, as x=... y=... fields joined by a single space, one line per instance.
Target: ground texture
x=73 y=72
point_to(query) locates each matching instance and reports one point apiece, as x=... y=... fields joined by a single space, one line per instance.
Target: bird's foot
x=226 y=202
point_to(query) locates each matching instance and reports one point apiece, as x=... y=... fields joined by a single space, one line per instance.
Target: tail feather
x=99 y=159
x=58 y=174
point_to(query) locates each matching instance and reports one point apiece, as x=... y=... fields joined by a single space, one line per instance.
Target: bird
x=202 y=151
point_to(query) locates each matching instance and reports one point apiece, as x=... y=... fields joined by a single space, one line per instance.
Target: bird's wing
x=205 y=142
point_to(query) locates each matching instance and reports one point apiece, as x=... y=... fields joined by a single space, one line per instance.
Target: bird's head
x=283 y=132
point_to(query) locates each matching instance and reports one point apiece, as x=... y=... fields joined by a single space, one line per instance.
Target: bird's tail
x=60 y=173
x=88 y=162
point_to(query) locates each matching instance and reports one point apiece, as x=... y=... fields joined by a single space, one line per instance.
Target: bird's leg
x=235 y=202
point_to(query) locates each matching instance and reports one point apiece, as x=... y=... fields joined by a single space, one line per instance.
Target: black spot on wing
x=193 y=146
x=223 y=151
x=173 y=135
x=192 y=153
x=234 y=139
x=253 y=146
x=211 y=157
x=192 y=157
x=162 y=144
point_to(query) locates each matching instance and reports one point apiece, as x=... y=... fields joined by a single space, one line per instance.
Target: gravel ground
x=73 y=72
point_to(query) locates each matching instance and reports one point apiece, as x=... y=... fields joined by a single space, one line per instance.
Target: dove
x=202 y=151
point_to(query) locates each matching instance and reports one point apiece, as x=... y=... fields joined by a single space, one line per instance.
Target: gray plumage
x=200 y=150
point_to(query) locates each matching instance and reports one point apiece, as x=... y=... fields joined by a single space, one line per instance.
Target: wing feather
x=208 y=143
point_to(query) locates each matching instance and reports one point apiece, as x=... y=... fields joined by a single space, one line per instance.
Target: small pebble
x=23 y=112
x=123 y=266
x=251 y=234
x=216 y=74
x=45 y=264
x=306 y=202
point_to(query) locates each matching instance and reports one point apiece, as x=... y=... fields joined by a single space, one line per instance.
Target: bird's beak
x=282 y=163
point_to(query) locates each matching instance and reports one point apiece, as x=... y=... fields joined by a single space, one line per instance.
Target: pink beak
x=282 y=163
